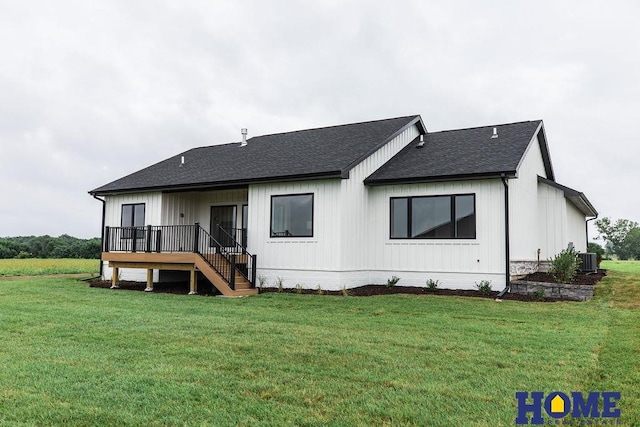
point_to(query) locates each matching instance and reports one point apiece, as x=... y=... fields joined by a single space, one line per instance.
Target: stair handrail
x=227 y=269
x=240 y=248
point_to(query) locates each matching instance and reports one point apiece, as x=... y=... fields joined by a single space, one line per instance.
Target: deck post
x=149 y=287
x=107 y=235
x=253 y=270
x=148 y=238
x=114 y=278
x=193 y=283
x=196 y=235
x=232 y=277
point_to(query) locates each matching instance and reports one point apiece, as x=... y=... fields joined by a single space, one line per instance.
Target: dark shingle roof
x=323 y=152
x=465 y=153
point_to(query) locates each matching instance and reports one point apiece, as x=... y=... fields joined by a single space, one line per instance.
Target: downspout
x=506 y=238
x=104 y=211
x=586 y=229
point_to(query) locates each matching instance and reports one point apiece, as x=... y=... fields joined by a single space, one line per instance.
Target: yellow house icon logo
x=557 y=404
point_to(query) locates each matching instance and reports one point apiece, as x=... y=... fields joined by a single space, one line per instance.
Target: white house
x=345 y=206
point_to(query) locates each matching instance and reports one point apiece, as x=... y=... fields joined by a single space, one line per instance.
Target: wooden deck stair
x=242 y=285
x=180 y=261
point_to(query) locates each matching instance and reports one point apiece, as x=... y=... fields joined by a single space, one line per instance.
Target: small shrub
x=279 y=284
x=262 y=280
x=539 y=295
x=298 y=288
x=484 y=287
x=345 y=291
x=432 y=285
x=564 y=266
x=319 y=290
x=393 y=281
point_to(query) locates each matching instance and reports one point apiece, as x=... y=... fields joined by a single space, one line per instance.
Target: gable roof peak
x=486 y=126
x=317 y=128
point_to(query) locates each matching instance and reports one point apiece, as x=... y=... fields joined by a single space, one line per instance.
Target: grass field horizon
x=48 y=266
x=75 y=355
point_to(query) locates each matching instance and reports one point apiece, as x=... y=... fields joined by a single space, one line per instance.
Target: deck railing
x=223 y=258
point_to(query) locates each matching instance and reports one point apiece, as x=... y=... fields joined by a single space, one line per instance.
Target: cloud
x=96 y=90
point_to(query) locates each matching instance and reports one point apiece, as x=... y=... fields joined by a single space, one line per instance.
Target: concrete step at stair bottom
x=243 y=292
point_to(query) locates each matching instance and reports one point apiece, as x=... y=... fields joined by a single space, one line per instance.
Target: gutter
x=104 y=209
x=506 y=239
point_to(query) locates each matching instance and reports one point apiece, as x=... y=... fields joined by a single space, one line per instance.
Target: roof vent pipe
x=495 y=133
x=421 y=143
x=181 y=160
x=243 y=131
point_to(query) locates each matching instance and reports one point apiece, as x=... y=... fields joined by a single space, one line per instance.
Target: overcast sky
x=94 y=90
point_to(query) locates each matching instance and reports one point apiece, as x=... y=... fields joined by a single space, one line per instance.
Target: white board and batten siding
x=576 y=227
x=524 y=217
x=355 y=208
x=306 y=260
x=336 y=255
x=189 y=208
x=179 y=208
x=552 y=235
x=113 y=218
x=456 y=263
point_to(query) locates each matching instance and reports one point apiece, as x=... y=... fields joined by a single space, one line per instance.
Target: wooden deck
x=183 y=261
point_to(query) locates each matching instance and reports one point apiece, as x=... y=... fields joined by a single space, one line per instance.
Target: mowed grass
x=39 y=267
x=74 y=355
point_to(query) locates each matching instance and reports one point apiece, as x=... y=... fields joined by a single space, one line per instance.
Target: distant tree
x=595 y=248
x=631 y=244
x=616 y=233
x=64 y=246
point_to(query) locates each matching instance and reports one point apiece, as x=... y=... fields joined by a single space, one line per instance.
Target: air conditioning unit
x=589 y=263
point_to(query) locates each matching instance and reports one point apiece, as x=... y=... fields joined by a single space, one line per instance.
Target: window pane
x=292 y=216
x=465 y=217
x=245 y=216
x=399 y=211
x=127 y=215
x=138 y=215
x=431 y=217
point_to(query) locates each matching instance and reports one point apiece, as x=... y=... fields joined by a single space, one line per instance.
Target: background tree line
x=64 y=246
x=621 y=237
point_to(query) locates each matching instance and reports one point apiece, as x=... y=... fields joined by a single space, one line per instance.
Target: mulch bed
x=182 y=288
x=581 y=278
x=374 y=290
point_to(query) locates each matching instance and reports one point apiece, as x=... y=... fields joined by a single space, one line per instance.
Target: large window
x=132 y=216
x=292 y=215
x=433 y=217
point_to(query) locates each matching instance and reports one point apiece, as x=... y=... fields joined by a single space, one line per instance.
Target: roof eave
x=544 y=149
x=218 y=185
x=443 y=178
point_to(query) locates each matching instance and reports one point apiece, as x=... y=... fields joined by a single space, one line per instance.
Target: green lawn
x=39 y=267
x=73 y=355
